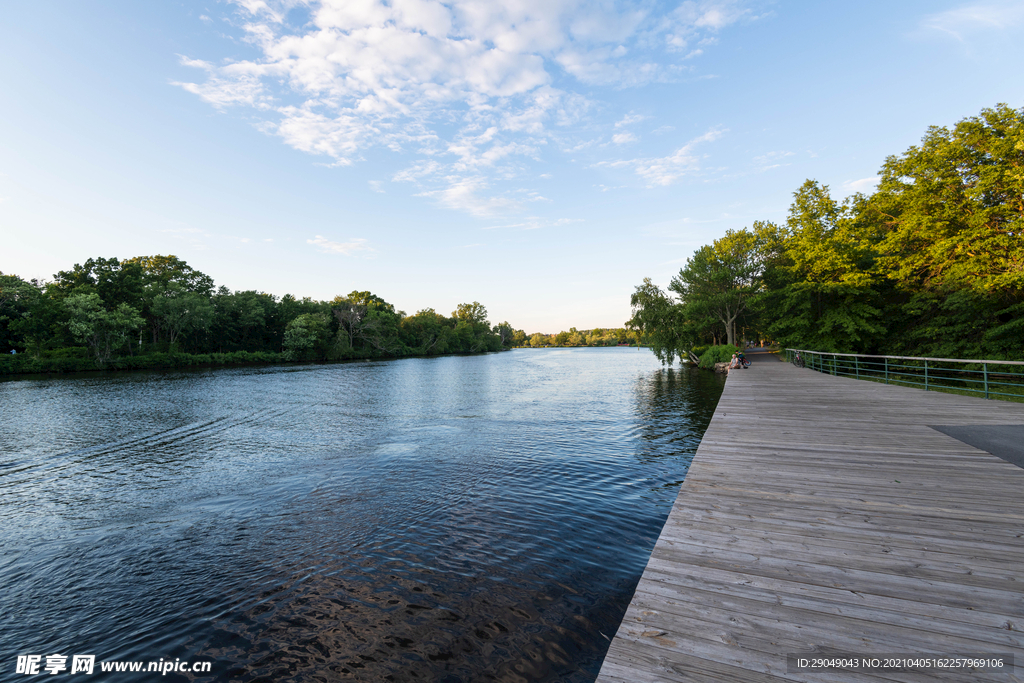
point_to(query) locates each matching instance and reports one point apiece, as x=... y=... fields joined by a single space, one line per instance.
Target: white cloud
x=468 y=195
x=772 y=160
x=476 y=87
x=535 y=223
x=375 y=185
x=417 y=171
x=630 y=119
x=862 y=185
x=347 y=248
x=623 y=138
x=690 y=20
x=667 y=170
x=961 y=21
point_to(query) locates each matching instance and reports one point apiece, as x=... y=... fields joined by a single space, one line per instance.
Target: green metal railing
x=990 y=378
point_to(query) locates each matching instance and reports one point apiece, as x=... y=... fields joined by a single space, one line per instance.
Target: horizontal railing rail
x=991 y=378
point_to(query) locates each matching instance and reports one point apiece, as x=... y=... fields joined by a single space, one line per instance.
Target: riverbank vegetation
x=157 y=311
x=930 y=264
x=597 y=337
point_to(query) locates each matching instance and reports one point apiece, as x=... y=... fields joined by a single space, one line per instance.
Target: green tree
x=473 y=330
x=240 y=321
x=170 y=269
x=114 y=281
x=180 y=311
x=953 y=207
x=428 y=332
x=18 y=299
x=103 y=331
x=660 y=320
x=368 y=321
x=506 y=334
x=307 y=337
x=720 y=281
x=820 y=289
x=473 y=313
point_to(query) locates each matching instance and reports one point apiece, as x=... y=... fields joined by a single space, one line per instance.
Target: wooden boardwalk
x=822 y=514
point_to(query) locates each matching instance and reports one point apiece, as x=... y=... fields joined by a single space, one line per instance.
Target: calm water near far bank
x=451 y=519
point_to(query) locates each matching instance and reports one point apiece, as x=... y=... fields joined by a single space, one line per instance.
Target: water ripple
x=455 y=519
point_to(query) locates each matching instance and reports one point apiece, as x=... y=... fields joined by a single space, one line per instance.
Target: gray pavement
x=1002 y=441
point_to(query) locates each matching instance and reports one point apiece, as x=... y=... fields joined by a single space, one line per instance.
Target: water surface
x=450 y=519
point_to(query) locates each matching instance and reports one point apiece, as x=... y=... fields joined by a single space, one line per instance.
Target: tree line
x=572 y=337
x=930 y=264
x=108 y=312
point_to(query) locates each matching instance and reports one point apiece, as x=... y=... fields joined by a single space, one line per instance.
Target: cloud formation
x=669 y=169
x=961 y=21
x=474 y=88
x=345 y=248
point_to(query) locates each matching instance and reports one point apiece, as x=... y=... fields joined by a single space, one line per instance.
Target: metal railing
x=990 y=378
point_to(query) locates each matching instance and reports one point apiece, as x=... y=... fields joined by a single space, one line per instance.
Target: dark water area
x=481 y=518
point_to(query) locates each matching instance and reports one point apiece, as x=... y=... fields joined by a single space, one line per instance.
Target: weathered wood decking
x=823 y=514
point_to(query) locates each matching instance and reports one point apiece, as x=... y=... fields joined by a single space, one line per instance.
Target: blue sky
x=539 y=156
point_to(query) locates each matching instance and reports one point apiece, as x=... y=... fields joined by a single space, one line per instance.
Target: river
x=451 y=519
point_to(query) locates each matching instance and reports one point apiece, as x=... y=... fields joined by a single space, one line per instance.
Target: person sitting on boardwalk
x=735 y=362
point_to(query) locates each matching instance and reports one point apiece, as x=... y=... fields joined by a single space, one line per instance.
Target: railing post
x=985 y=366
x=926 y=374
x=856 y=364
x=886 y=370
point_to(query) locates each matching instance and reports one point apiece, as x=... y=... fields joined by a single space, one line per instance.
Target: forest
x=929 y=264
x=157 y=311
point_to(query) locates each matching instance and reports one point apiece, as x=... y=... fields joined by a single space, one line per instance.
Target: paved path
x=823 y=514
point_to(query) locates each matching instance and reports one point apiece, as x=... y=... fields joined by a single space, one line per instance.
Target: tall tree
x=115 y=282
x=167 y=269
x=720 y=281
x=953 y=207
x=18 y=298
x=180 y=311
x=819 y=283
x=657 y=317
x=103 y=331
x=428 y=332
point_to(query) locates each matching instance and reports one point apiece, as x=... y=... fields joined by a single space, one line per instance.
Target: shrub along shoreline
x=14 y=366
x=23 y=364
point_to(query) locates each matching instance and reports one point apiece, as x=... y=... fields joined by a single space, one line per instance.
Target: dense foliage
x=573 y=337
x=716 y=354
x=931 y=264
x=157 y=311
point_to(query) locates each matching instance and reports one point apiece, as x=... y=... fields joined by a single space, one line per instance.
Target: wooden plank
x=854 y=519
x=836 y=538
x=791 y=534
x=821 y=598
